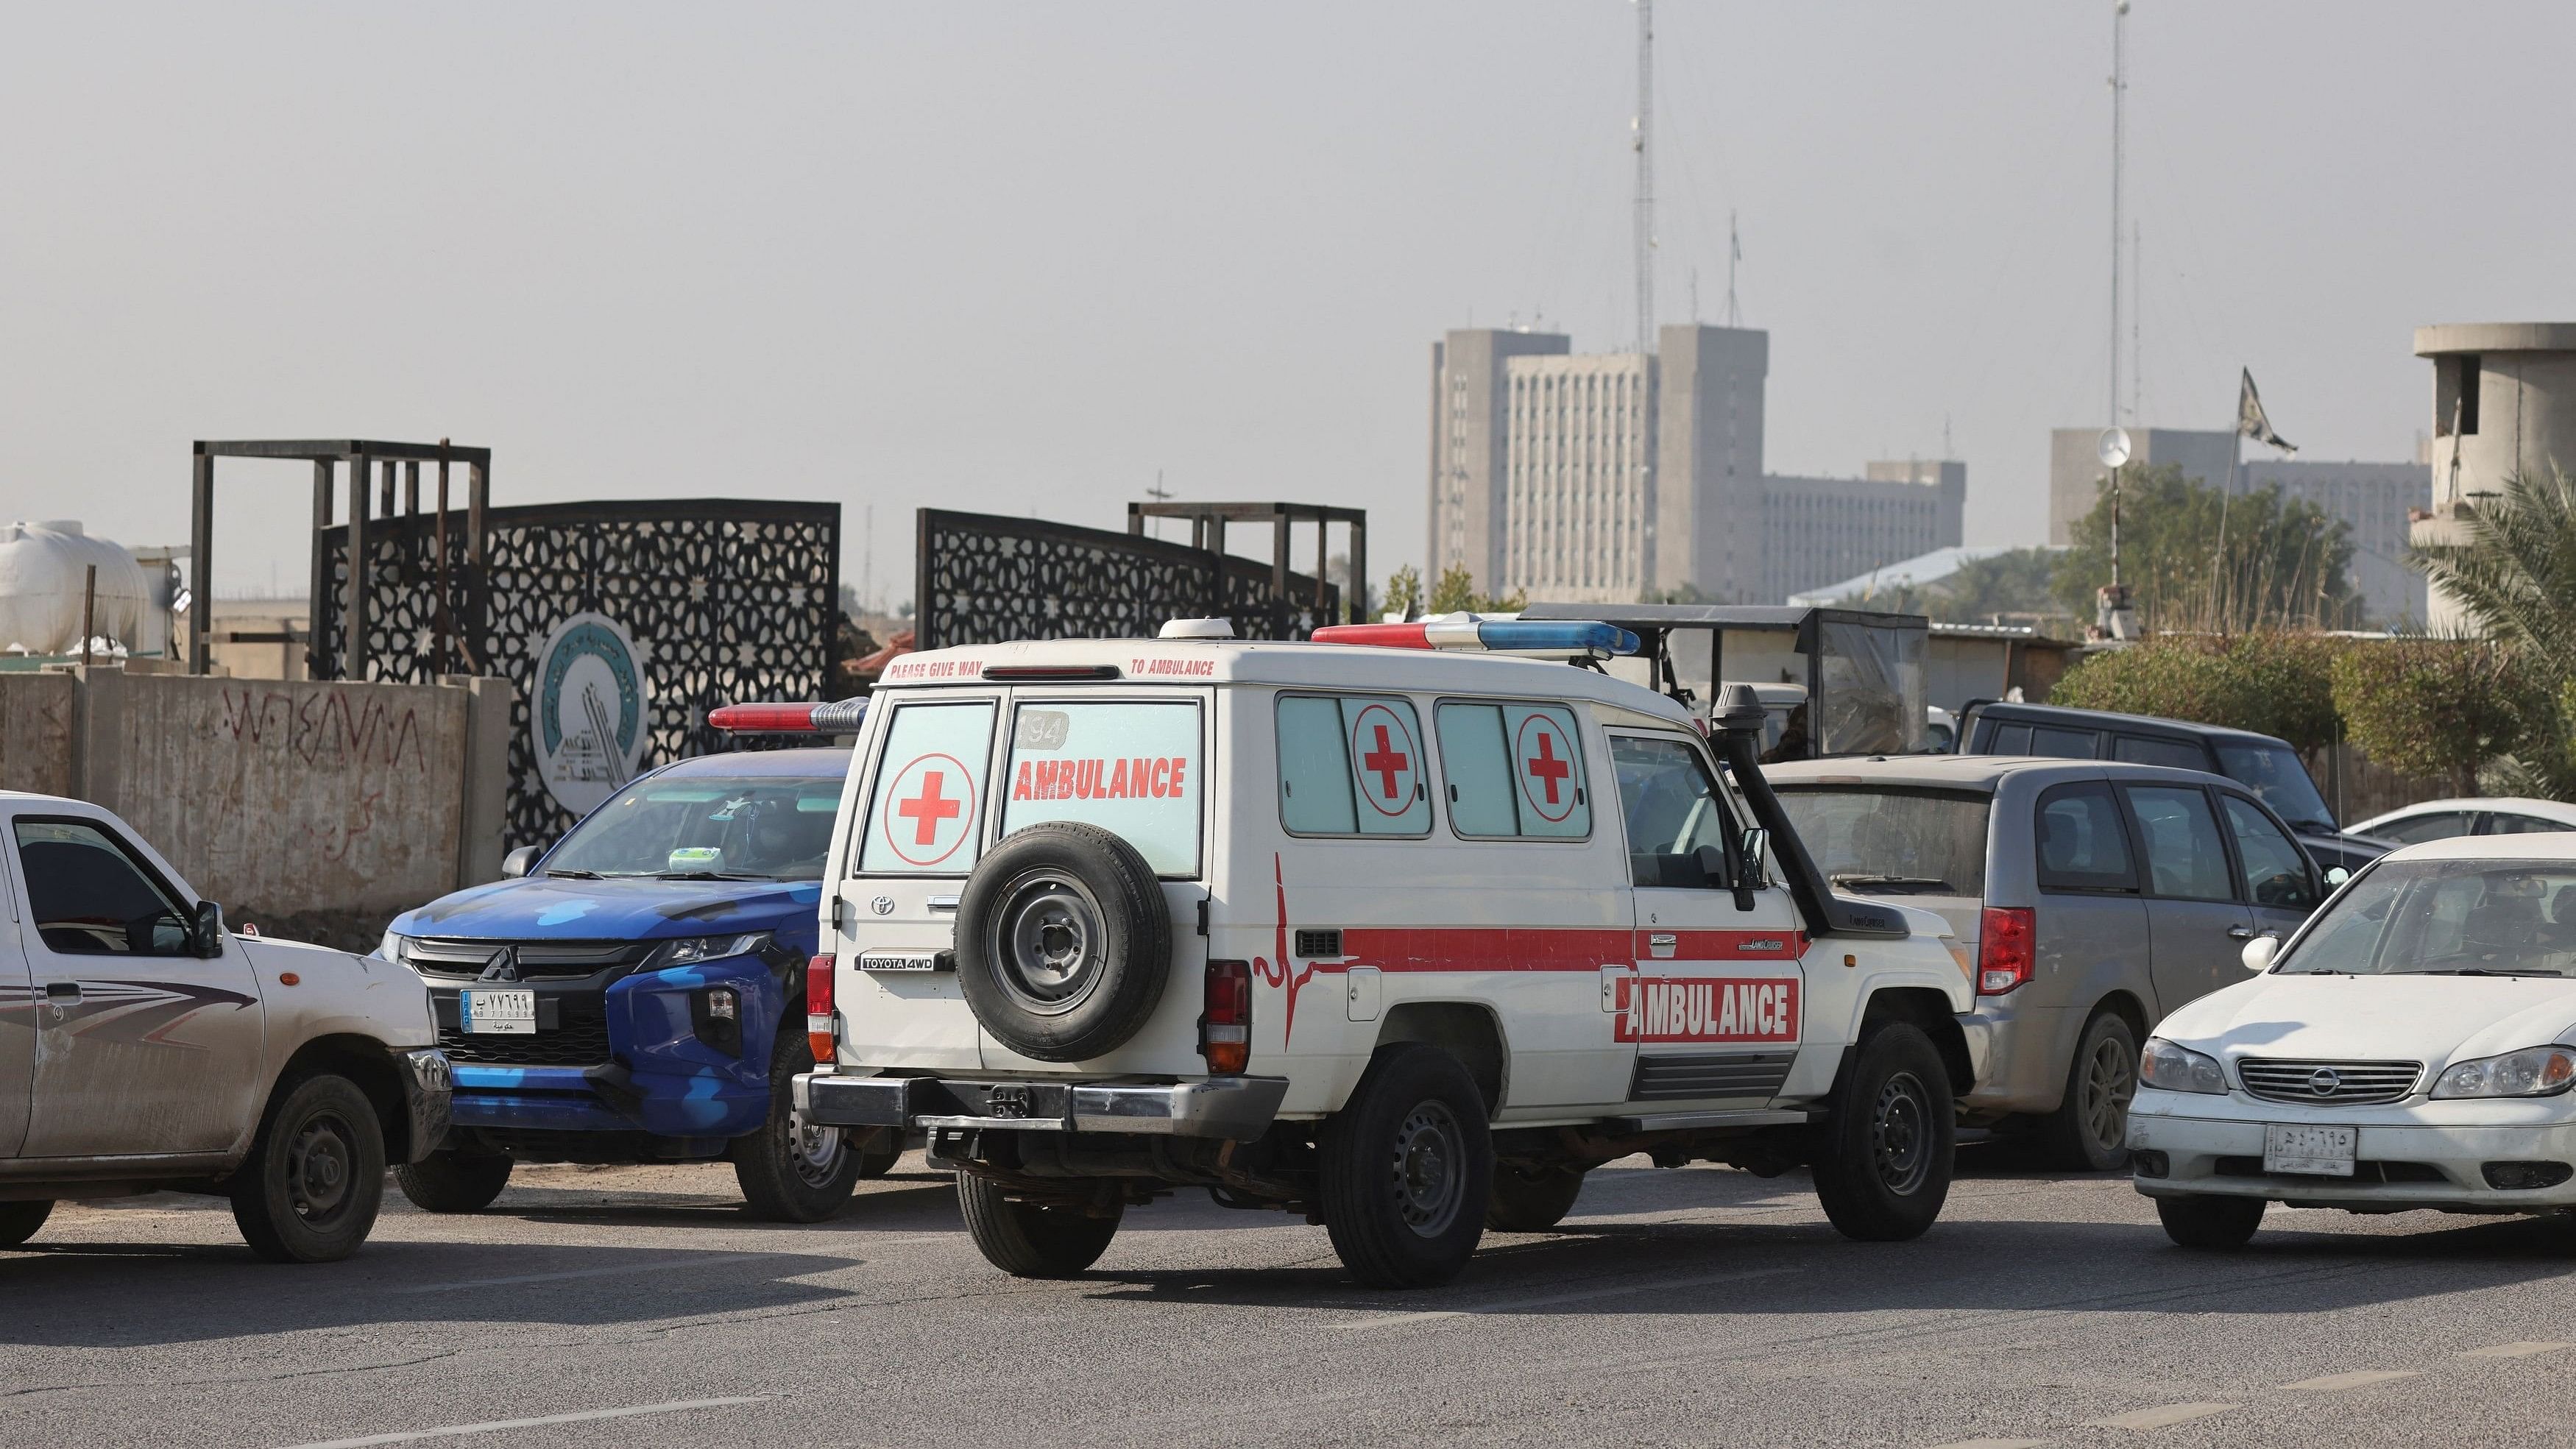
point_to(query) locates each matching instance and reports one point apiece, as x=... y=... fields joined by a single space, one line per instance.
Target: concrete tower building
x=2504 y=403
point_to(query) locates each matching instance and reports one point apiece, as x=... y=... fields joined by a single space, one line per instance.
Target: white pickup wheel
x=1532 y=1201
x=309 y=1190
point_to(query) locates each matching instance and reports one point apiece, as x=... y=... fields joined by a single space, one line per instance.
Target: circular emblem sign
x=1384 y=749
x=587 y=721
x=1546 y=768
x=929 y=810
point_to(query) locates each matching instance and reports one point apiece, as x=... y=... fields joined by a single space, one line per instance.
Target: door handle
x=2240 y=933
x=63 y=993
x=1662 y=943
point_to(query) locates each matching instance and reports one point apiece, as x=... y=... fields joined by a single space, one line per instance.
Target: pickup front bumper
x=429 y=1095
x=1240 y=1108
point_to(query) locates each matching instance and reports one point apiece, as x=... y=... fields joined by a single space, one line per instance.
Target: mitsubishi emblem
x=504 y=965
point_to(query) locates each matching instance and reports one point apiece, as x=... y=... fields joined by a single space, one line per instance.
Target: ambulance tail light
x=807 y=717
x=818 y=1011
x=1225 y=1027
x=2007 y=948
x=1545 y=638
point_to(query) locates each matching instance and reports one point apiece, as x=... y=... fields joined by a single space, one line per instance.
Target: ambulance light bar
x=810 y=717
x=1543 y=637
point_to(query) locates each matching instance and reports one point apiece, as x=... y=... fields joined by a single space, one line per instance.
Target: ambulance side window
x=1514 y=772
x=1351 y=765
x=1673 y=808
x=927 y=803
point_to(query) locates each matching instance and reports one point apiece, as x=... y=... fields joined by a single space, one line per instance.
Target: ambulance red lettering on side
x=1704 y=1009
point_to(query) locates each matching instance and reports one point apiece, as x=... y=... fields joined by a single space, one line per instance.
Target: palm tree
x=2515 y=579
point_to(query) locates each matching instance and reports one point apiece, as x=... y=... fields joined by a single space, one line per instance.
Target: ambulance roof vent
x=1197 y=629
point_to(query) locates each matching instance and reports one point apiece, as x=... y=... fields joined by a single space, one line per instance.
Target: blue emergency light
x=1546 y=638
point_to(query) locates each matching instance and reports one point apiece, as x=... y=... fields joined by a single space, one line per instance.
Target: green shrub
x=2273 y=683
x=2438 y=708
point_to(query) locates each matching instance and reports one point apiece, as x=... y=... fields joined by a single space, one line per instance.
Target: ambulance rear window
x=1129 y=768
x=1514 y=771
x=1351 y=765
x=922 y=815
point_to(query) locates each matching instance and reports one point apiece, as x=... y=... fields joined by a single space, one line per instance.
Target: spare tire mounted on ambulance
x=1405 y=942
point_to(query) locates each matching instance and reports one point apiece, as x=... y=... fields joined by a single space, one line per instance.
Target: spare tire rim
x=1900 y=1134
x=1430 y=1154
x=320 y=1168
x=1047 y=942
x=816 y=1150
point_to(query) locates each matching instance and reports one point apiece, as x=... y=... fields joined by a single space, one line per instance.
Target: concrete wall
x=316 y=809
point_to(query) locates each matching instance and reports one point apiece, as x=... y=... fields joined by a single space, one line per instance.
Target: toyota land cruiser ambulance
x=1402 y=939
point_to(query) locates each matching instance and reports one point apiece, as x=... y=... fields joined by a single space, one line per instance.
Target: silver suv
x=2093 y=897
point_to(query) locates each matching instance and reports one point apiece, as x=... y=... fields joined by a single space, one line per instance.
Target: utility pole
x=1645 y=146
x=2119 y=97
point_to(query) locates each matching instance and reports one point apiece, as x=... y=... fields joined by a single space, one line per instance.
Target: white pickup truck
x=144 y=1048
x=1401 y=939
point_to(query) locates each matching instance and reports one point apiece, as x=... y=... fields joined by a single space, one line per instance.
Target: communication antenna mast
x=1645 y=144
x=1734 y=254
x=2119 y=95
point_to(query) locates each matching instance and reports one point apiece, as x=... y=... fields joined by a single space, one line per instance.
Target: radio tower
x=2119 y=94
x=1646 y=176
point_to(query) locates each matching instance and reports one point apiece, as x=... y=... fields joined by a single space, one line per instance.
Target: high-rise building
x=2373 y=498
x=1606 y=478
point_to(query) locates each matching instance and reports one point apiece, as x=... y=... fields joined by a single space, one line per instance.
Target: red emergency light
x=808 y=717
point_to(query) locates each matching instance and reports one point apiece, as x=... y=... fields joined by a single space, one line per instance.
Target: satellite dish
x=2113 y=448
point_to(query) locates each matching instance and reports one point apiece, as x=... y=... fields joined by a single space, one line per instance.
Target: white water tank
x=43 y=569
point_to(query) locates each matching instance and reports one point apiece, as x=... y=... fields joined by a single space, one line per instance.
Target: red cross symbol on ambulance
x=1384 y=751
x=1546 y=759
x=929 y=810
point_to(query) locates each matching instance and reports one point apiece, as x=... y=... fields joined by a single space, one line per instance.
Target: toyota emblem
x=882 y=905
x=2324 y=1080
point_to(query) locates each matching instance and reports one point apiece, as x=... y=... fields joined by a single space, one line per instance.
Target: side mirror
x=2336 y=875
x=206 y=933
x=2258 y=953
x=520 y=861
x=1757 y=856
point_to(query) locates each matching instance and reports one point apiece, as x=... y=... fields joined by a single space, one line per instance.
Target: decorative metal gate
x=983 y=578
x=723 y=599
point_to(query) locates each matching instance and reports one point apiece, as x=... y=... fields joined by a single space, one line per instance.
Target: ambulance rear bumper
x=1239 y=1108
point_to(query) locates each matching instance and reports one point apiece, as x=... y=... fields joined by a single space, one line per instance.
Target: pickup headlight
x=390 y=948
x=2543 y=1071
x=2172 y=1068
x=690 y=950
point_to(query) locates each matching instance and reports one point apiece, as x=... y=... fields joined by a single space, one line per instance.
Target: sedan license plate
x=899 y=961
x=2315 y=1151
x=497 y=1013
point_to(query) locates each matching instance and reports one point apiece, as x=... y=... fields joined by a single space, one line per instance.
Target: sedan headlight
x=2542 y=1071
x=2172 y=1068
x=690 y=950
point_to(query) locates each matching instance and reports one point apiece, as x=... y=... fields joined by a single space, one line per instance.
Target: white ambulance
x=1404 y=939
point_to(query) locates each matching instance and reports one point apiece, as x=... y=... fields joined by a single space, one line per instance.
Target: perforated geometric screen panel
x=985 y=578
x=725 y=600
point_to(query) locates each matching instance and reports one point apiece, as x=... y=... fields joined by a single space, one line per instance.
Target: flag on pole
x=2251 y=422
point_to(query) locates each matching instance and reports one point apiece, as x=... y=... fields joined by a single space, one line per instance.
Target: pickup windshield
x=1874 y=841
x=758 y=827
x=2447 y=918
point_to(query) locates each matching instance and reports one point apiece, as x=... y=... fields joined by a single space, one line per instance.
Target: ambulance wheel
x=1882 y=1160
x=2210 y=1222
x=19 y=1221
x=1406 y=1168
x=449 y=1181
x=309 y=1189
x=792 y=1170
x=880 y=1154
x=1532 y=1202
x=1063 y=941
x=1028 y=1240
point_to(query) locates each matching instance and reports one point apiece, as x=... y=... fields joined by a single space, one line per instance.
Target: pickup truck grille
x=572 y=1031
x=463 y=958
x=2341 y=1084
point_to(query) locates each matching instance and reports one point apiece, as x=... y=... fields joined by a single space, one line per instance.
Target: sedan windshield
x=761 y=827
x=2274 y=773
x=2447 y=917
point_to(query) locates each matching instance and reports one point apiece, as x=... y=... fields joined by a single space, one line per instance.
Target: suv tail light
x=818 y=1011
x=1225 y=1028
x=2007 y=947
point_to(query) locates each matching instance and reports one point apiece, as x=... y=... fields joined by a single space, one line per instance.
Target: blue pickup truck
x=635 y=992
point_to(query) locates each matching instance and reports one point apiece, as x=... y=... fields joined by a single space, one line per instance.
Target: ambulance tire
x=19 y=1221
x=1029 y=1240
x=1064 y=942
x=1406 y=1170
x=309 y=1189
x=449 y=1181
x=882 y=1152
x=1532 y=1202
x=2209 y=1222
x=1882 y=1159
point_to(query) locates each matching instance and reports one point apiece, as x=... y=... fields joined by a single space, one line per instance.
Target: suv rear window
x=1131 y=768
x=1881 y=841
x=923 y=814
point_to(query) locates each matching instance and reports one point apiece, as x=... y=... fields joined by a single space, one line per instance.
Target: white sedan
x=2443 y=819
x=2410 y=1047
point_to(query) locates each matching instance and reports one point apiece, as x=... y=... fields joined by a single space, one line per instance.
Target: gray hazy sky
x=1018 y=258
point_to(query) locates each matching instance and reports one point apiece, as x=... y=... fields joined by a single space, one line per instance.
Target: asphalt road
x=1700 y=1306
